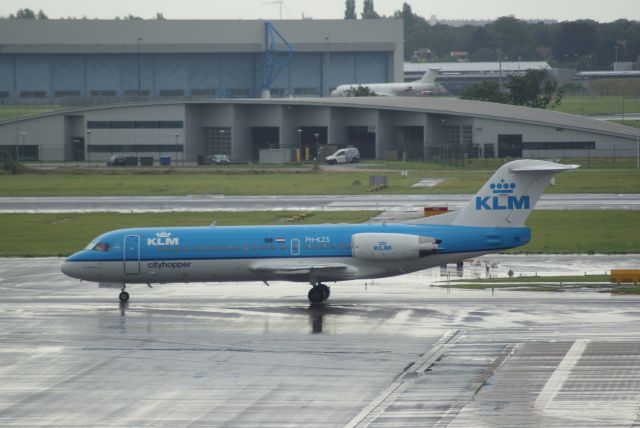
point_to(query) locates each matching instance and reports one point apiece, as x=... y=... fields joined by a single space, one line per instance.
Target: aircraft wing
x=310 y=269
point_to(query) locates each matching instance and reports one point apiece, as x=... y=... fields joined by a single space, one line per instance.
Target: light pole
x=23 y=136
x=316 y=163
x=500 y=58
x=299 y=157
x=139 y=83
x=89 y=146
x=328 y=65
x=176 y=149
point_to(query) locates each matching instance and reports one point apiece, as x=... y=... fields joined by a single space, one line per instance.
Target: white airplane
x=494 y=220
x=425 y=86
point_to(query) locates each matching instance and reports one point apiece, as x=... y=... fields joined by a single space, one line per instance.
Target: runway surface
x=316 y=202
x=392 y=353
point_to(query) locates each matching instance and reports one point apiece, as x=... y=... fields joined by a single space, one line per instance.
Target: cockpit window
x=101 y=246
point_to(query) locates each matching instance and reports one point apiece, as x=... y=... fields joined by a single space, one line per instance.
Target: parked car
x=220 y=159
x=117 y=160
x=348 y=155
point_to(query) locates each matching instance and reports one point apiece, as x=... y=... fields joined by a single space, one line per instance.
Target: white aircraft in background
x=425 y=86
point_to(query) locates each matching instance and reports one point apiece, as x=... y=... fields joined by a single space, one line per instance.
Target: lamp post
x=328 y=64
x=139 y=82
x=316 y=163
x=299 y=157
x=89 y=146
x=23 y=136
x=176 y=149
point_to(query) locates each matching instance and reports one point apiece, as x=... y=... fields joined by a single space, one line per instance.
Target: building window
x=559 y=145
x=203 y=93
x=33 y=94
x=238 y=93
x=130 y=124
x=277 y=92
x=134 y=148
x=4 y=94
x=63 y=94
x=103 y=93
x=217 y=141
x=305 y=92
x=136 y=93
x=171 y=93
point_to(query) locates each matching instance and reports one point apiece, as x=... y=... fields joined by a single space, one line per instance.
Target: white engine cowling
x=391 y=246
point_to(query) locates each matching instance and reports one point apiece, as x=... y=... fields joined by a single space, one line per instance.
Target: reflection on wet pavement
x=396 y=352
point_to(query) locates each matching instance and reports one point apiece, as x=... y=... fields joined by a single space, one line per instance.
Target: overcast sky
x=599 y=10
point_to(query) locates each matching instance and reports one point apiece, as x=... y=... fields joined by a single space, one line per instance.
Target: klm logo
x=496 y=202
x=163 y=238
x=382 y=246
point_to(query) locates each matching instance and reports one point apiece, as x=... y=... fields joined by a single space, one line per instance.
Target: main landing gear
x=124 y=296
x=319 y=293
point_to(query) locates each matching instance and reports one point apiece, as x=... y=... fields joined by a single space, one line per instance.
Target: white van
x=348 y=155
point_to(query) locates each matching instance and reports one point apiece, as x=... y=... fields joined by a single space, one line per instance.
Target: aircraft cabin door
x=295 y=247
x=132 y=254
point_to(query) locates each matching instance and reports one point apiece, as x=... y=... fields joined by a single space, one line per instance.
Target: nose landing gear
x=124 y=296
x=319 y=293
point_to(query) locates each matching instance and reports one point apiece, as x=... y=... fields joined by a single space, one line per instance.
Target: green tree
x=350 y=9
x=533 y=89
x=486 y=90
x=25 y=13
x=159 y=16
x=368 y=10
x=575 y=39
x=360 y=91
x=41 y=15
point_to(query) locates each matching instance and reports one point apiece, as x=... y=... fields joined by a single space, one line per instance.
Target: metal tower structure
x=276 y=56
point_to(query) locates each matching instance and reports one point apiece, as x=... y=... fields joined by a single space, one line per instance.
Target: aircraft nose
x=69 y=268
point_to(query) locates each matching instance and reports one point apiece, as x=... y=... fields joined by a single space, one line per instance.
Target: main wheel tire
x=355 y=160
x=124 y=297
x=326 y=291
x=316 y=295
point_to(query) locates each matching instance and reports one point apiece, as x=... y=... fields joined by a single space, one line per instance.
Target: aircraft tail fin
x=507 y=199
x=429 y=76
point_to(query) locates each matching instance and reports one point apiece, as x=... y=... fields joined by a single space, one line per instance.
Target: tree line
x=584 y=44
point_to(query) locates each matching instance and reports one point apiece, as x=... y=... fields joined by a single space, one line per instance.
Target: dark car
x=116 y=160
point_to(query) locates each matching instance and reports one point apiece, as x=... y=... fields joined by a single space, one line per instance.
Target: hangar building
x=418 y=128
x=75 y=62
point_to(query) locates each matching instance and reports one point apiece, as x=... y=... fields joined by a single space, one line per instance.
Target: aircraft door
x=132 y=254
x=295 y=247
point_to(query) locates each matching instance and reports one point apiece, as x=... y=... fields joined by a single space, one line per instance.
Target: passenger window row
x=245 y=247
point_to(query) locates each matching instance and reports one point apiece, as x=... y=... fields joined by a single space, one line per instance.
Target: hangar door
x=510 y=145
x=264 y=137
x=364 y=139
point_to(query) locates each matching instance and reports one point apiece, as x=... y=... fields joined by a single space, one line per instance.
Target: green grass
x=536 y=279
x=631 y=123
x=7 y=113
x=553 y=231
x=34 y=235
x=587 y=105
x=165 y=182
x=583 y=232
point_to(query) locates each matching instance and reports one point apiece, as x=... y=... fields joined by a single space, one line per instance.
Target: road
x=395 y=352
x=294 y=203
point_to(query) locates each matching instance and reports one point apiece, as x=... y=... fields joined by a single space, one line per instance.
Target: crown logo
x=502 y=187
x=163 y=234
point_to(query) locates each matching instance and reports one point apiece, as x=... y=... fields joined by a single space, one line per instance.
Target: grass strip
x=164 y=183
x=37 y=235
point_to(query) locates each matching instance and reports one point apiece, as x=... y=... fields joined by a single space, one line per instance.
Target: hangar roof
x=433 y=105
x=195 y=36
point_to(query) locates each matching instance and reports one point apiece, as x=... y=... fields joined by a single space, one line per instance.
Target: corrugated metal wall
x=225 y=75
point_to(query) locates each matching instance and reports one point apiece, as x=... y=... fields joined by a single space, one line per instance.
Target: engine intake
x=392 y=246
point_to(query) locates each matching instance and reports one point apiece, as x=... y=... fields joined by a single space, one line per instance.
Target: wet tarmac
x=599 y=201
x=390 y=352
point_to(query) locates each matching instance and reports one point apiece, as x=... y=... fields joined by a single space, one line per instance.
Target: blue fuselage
x=184 y=254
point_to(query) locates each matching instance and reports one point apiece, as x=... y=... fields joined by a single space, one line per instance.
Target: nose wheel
x=124 y=296
x=319 y=293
